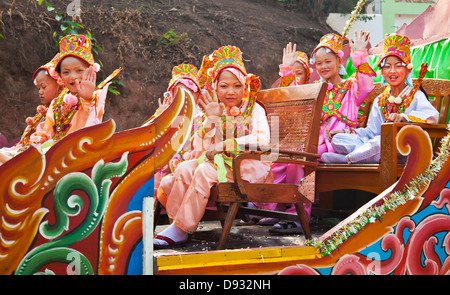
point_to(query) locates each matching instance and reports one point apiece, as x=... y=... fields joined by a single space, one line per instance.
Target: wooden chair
x=294 y=116
x=376 y=178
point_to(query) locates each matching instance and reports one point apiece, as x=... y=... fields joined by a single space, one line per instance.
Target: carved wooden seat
x=294 y=119
x=376 y=178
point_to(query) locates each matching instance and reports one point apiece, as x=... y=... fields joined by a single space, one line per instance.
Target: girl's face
x=47 y=87
x=327 y=64
x=394 y=72
x=72 y=69
x=300 y=73
x=230 y=90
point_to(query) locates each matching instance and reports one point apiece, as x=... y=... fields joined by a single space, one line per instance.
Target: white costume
x=363 y=146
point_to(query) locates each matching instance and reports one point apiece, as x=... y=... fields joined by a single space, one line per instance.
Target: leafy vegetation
x=171 y=37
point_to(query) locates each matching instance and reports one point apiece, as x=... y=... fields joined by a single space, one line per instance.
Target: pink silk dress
x=361 y=84
x=187 y=190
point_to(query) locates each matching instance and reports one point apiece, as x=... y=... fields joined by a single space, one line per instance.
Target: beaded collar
x=31 y=128
x=333 y=103
x=388 y=108
x=234 y=124
x=63 y=114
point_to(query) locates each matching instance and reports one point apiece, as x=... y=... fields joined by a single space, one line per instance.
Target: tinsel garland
x=391 y=202
x=353 y=17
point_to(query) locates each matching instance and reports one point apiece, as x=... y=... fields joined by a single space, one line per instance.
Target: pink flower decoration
x=340 y=53
x=96 y=67
x=41 y=109
x=53 y=72
x=330 y=86
x=29 y=121
x=70 y=99
x=234 y=111
x=96 y=121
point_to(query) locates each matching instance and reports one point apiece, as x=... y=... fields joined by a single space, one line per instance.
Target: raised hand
x=361 y=40
x=289 y=54
x=86 y=87
x=166 y=102
x=210 y=105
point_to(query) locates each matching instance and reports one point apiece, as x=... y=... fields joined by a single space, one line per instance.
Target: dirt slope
x=129 y=33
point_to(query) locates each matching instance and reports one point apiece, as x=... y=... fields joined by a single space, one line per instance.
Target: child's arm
x=364 y=73
x=213 y=111
x=44 y=131
x=286 y=68
x=374 y=122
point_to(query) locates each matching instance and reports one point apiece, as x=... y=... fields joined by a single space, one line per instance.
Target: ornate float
x=77 y=209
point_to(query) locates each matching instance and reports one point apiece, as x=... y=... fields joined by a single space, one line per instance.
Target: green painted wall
x=389 y=8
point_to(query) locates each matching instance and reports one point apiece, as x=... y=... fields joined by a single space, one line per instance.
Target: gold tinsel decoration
x=353 y=17
x=391 y=202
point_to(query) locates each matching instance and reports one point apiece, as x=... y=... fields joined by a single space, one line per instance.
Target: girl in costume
x=343 y=97
x=202 y=80
x=81 y=103
x=401 y=101
x=233 y=120
x=46 y=81
x=184 y=74
x=294 y=70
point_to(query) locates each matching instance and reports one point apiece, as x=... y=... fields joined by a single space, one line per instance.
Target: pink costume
x=86 y=113
x=340 y=110
x=68 y=113
x=342 y=101
x=188 y=194
x=185 y=74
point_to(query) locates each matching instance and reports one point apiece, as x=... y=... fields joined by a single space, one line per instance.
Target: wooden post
x=147 y=236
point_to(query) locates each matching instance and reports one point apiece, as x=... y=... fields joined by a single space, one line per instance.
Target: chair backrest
x=438 y=91
x=294 y=115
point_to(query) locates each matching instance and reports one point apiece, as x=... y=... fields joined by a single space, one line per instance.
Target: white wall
x=374 y=26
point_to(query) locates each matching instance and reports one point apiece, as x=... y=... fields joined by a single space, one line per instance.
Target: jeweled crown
x=184 y=71
x=396 y=45
x=227 y=56
x=331 y=41
x=76 y=45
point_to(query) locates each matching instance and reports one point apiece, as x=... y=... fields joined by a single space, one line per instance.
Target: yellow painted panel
x=235 y=257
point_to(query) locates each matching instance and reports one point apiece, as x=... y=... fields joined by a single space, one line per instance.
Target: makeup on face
x=327 y=64
x=230 y=90
x=72 y=70
x=394 y=71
